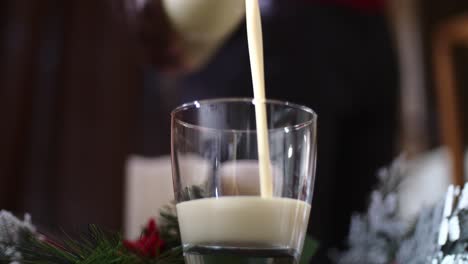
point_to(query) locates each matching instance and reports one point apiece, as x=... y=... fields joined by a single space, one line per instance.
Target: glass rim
x=198 y=103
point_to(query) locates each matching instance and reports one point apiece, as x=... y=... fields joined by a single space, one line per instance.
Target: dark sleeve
x=360 y=5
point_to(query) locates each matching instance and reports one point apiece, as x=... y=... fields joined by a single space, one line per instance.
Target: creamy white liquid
x=244 y=221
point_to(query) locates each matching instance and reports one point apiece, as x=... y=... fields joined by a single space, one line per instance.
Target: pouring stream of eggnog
x=255 y=39
x=248 y=221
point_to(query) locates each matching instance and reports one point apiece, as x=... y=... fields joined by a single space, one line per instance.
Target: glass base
x=244 y=255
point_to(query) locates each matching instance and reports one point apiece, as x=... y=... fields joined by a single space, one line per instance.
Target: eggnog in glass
x=225 y=215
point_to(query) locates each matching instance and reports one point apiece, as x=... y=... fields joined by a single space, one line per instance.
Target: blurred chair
x=405 y=18
x=450 y=34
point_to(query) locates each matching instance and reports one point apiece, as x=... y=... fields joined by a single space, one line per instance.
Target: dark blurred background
x=86 y=83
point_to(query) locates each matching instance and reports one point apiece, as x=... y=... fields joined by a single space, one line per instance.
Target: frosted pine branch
x=374 y=237
x=11 y=229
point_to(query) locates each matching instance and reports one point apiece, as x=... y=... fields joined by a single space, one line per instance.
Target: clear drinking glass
x=222 y=217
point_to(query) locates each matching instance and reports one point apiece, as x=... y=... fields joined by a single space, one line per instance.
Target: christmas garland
x=21 y=243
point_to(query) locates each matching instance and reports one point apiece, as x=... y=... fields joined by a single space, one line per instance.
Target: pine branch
x=374 y=236
x=93 y=247
x=20 y=242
